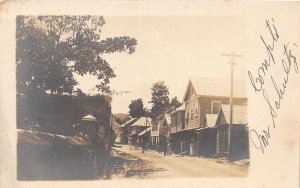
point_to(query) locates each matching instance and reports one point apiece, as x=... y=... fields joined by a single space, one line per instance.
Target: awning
x=131 y=135
x=203 y=128
x=189 y=129
x=145 y=131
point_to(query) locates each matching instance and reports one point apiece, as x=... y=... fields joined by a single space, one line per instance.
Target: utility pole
x=231 y=62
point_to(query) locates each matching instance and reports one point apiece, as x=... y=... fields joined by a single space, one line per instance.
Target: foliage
x=136 y=108
x=49 y=49
x=147 y=112
x=160 y=99
x=175 y=103
x=80 y=93
x=58 y=114
x=121 y=118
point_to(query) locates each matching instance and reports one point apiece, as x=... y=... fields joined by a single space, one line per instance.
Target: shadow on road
x=122 y=165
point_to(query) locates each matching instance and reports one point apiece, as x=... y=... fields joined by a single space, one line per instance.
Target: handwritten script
x=289 y=65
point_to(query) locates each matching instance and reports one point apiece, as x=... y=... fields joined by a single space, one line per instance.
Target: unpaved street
x=132 y=163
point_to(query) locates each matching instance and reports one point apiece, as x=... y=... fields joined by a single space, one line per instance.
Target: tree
x=160 y=99
x=80 y=93
x=175 y=103
x=147 y=112
x=49 y=49
x=121 y=118
x=136 y=108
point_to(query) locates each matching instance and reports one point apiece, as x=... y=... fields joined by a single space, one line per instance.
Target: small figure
x=160 y=146
x=165 y=145
x=143 y=145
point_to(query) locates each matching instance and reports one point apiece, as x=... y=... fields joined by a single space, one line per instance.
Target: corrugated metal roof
x=142 y=121
x=218 y=87
x=144 y=131
x=211 y=120
x=187 y=129
x=239 y=114
x=204 y=128
x=129 y=122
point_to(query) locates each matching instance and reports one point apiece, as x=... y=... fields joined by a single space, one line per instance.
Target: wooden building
x=178 y=119
x=137 y=127
x=117 y=130
x=160 y=128
x=145 y=136
x=125 y=130
x=206 y=136
x=154 y=133
x=205 y=96
x=177 y=125
x=239 y=133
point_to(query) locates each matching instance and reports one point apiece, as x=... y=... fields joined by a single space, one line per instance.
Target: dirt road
x=132 y=163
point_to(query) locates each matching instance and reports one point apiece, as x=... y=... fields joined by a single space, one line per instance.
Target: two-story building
x=125 y=130
x=177 y=125
x=160 y=128
x=205 y=96
x=138 y=127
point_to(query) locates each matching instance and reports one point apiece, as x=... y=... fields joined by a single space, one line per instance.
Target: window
x=154 y=127
x=215 y=107
x=191 y=110
x=187 y=119
x=196 y=109
x=187 y=111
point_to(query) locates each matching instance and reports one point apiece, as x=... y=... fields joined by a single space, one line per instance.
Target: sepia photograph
x=135 y=93
x=112 y=98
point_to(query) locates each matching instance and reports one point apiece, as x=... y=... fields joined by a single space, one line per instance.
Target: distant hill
x=121 y=117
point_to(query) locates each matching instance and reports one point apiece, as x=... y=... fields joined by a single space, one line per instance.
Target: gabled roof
x=142 y=121
x=180 y=108
x=239 y=114
x=216 y=87
x=129 y=122
x=211 y=119
x=168 y=111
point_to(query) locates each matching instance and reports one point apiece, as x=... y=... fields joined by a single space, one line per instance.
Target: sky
x=170 y=49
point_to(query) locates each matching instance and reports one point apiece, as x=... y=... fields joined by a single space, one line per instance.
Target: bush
x=58 y=114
